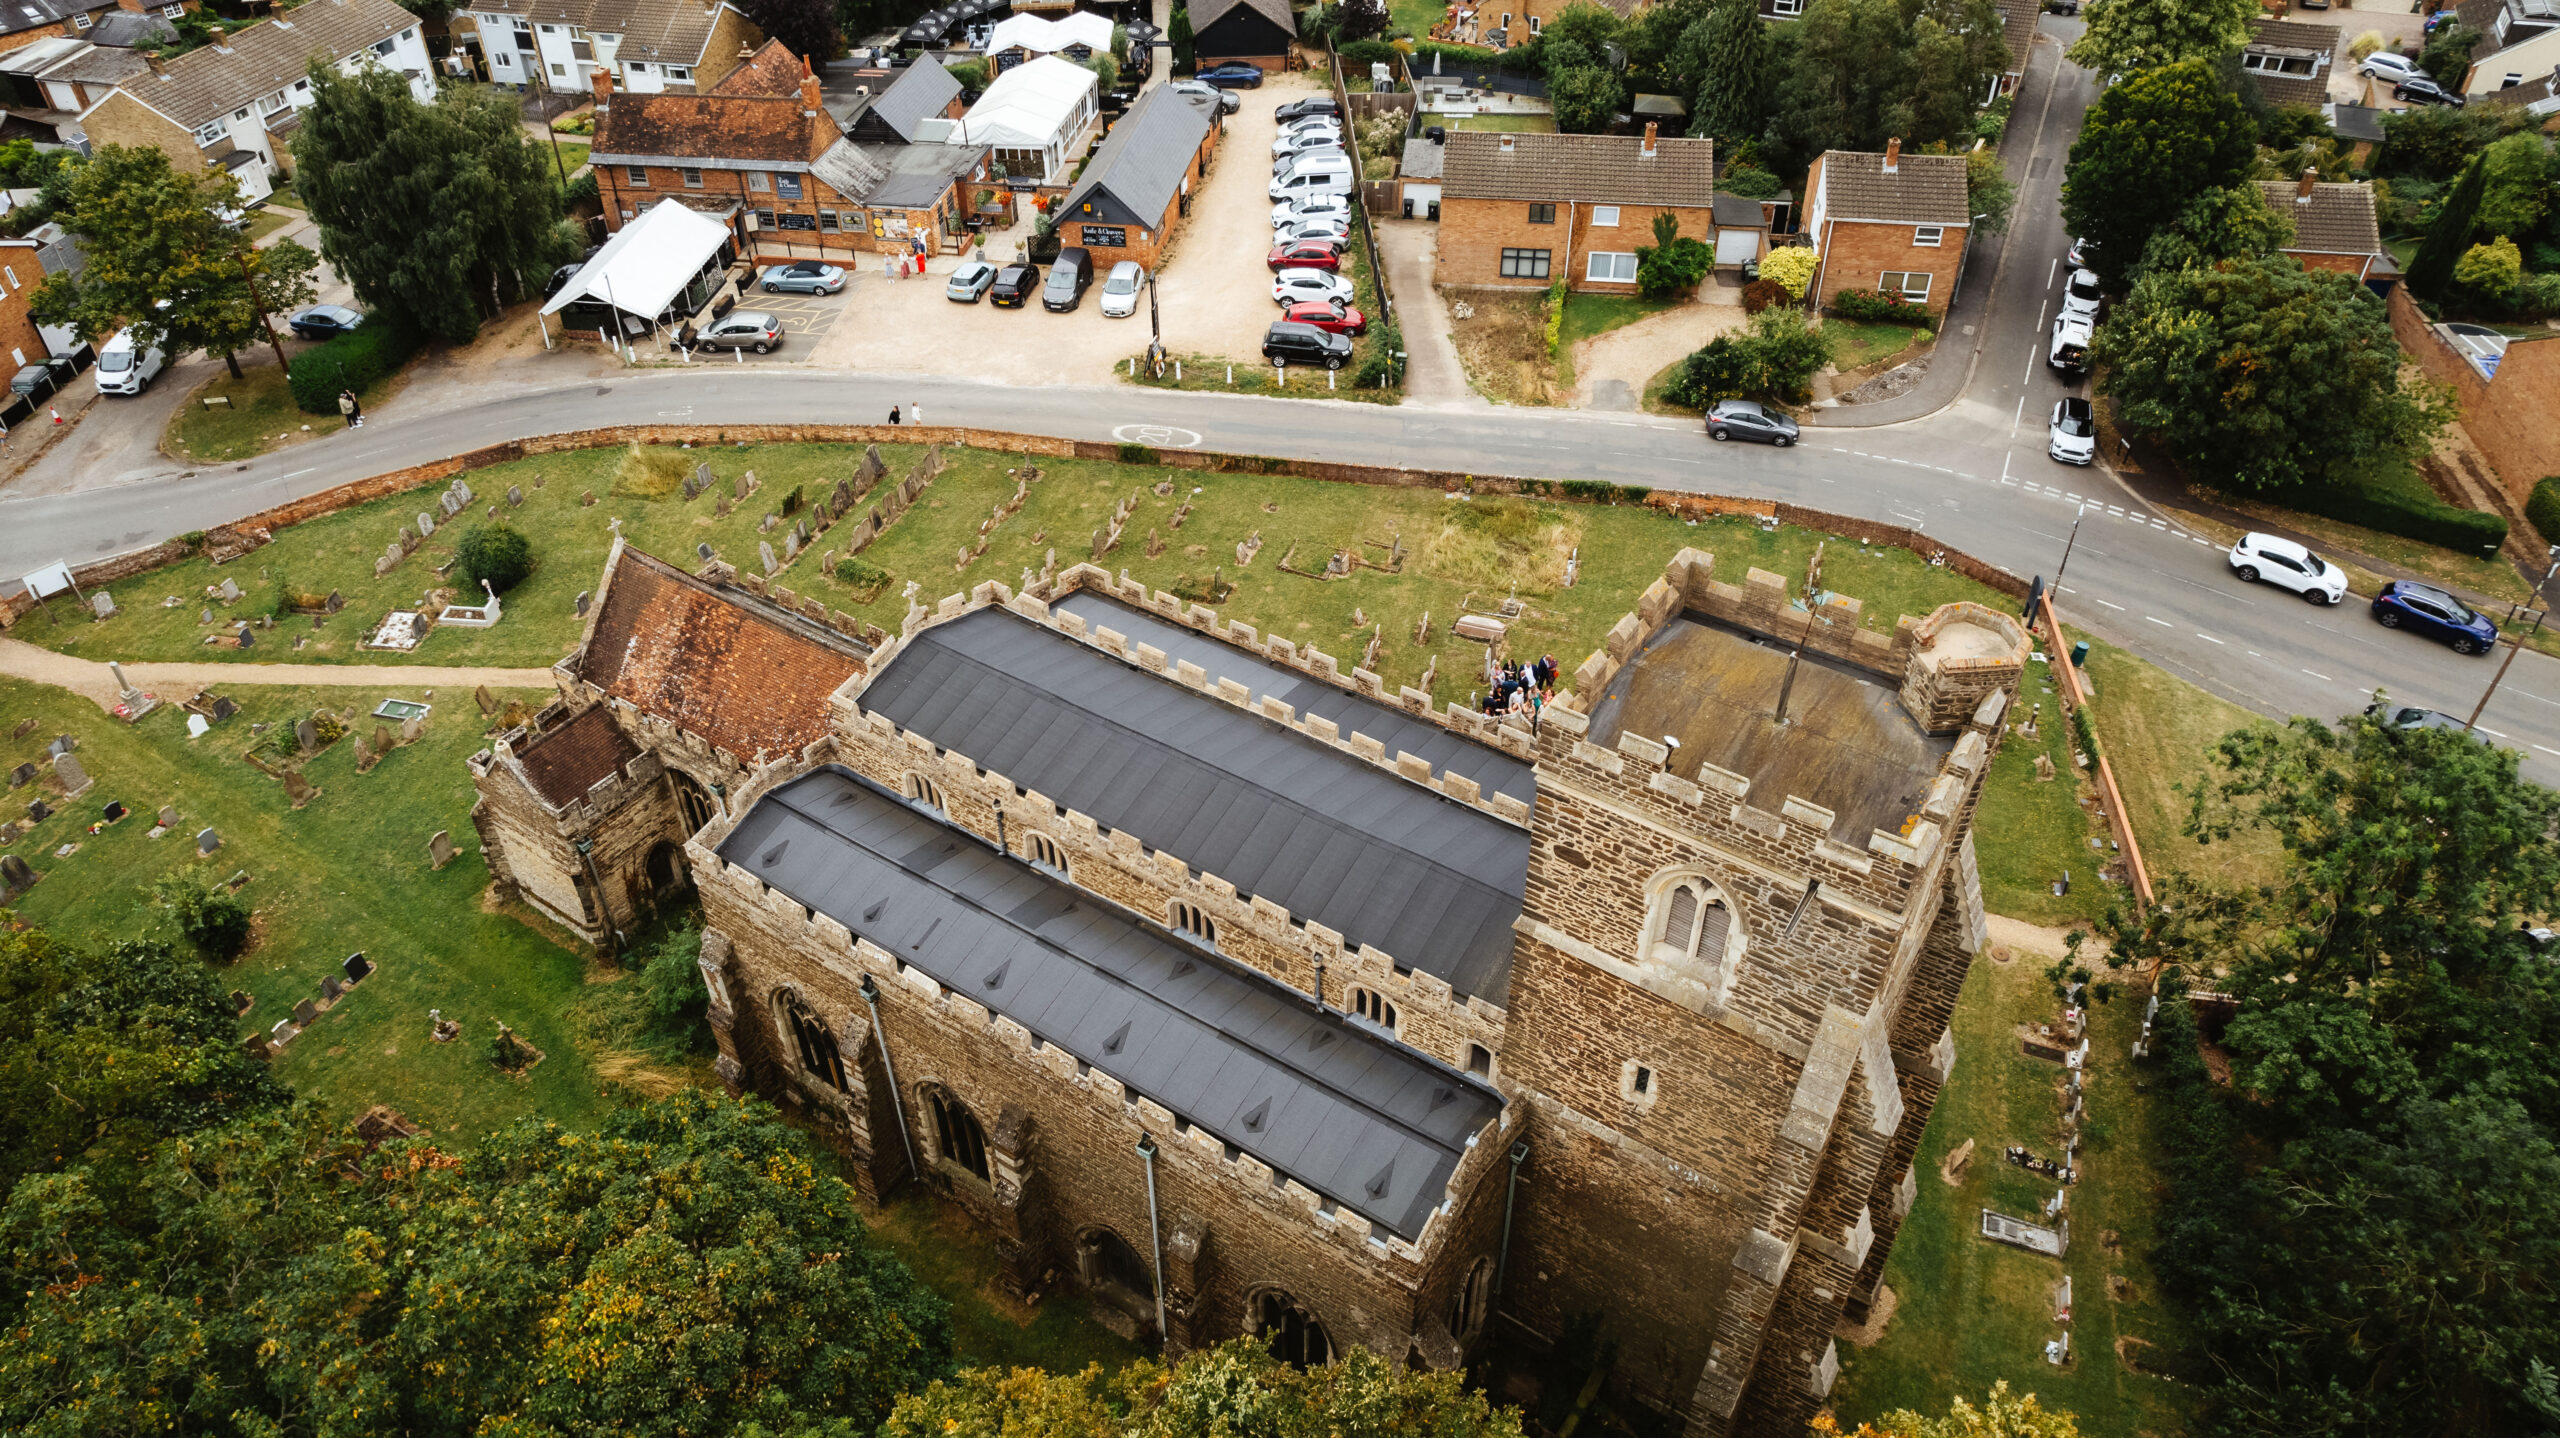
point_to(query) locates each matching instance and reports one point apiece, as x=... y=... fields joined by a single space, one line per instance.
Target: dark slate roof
x=1922 y=190
x=1495 y=771
x=2337 y=220
x=1138 y=169
x=32 y=14
x=1209 y=12
x=914 y=177
x=1330 y=836
x=1373 y=1125
x=1602 y=169
x=2356 y=122
x=921 y=91
x=1739 y=212
x=124 y=29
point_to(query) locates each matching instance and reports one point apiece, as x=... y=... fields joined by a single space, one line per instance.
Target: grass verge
x=1514 y=124
x=1858 y=343
x=258 y=414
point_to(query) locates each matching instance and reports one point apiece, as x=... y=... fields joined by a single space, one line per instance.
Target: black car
x=324 y=322
x=2420 y=90
x=1745 y=419
x=1303 y=109
x=1015 y=285
x=1234 y=75
x=1286 y=344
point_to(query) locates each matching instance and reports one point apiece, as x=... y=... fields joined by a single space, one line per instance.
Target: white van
x=1321 y=175
x=124 y=370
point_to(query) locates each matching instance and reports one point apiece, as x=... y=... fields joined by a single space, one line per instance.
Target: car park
x=124 y=367
x=1324 y=125
x=1308 y=207
x=969 y=282
x=1014 y=284
x=1228 y=100
x=1748 y=419
x=324 y=322
x=2389 y=66
x=1120 y=290
x=2068 y=353
x=1302 y=109
x=2423 y=90
x=804 y=277
x=1068 y=278
x=2072 y=435
x=2273 y=559
x=2080 y=294
x=2425 y=609
x=1290 y=286
x=1285 y=344
x=742 y=330
x=1306 y=255
x=1339 y=316
x=1234 y=75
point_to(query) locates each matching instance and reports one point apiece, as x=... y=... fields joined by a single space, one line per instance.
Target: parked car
x=1324 y=127
x=1014 y=285
x=1068 y=279
x=2068 y=353
x=1309 y=206
x=1339 y=316
x=1328 y=174
x=2425 y=609
x=324 y=322
x=2072 y=437
x=1336 y=228
x=742 y=330
x=2080 y=253
x=2080 y=294
x=1747 y=419
x=2409 y=716
x=1286 y=150
x=2389 y=66
x=2423 y=90
x=1290 y=286
x=970 y=281
x=2274 y=560
x=1120 y=290
x=561 y=277
x=807 y=277
x=1234 y=75
x=1285 y=344
x=124 y=368
x=1306 y=255
x=1228 y=100
x=1312 y=105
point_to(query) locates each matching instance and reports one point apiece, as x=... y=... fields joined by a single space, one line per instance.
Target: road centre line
x=2163 y=623
x=2316 y=674
x=2116 y=607
x=2207 y=638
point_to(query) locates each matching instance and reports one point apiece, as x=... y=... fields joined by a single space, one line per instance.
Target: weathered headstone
x=62 y=744
x=305 y=1011
x=245 y=637
x=223 y=708
x=790 y=547
x=330 y=988
x=298 y=788
x=487 y=701
x=738 y=486
x=704 y=552
x=307 y=735
x=282 y=1033
x=22 y=776
x=720 y=506
x=207 y=841
x=25 y=727
x=75 y=780
x=449 y=502
x=204 y=616
x=764 y=552
x=16 y=876
x=586 y=498
x=168 y=816
x=440 y=849
x=38 y=811
x=381 y=740
x=102 y=604
x=357 y=966
x=197 y=728
x=364 y=755
x=462 y=487
x=585 y=598
x=426 y=524
x=411 y=728
x=230 y=591
x=515 y=496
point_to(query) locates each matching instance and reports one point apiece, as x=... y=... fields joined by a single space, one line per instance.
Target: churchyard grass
x=1971 y=1311
x=2028 y=830
x=2159 y=731
x=989 y=1327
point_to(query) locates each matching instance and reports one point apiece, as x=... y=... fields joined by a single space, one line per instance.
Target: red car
x=1307 y=255
x=1331 y=315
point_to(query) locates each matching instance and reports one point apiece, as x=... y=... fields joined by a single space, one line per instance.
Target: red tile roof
x=746 y=675
x=773 y=71
x=565 y=763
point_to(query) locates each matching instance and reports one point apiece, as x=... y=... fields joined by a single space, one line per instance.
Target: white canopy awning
x=647 y=263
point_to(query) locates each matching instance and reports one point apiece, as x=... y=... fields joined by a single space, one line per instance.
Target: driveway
x=1610 y=371
x=1432 y=373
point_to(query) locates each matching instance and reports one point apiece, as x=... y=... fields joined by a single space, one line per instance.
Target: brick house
x=230 y=104
x=903 y=111
x=682 y=46
x=1138 y=184
x=22 y=268
x=1517 y=211
x=763 y=152
x=45 y=86
x=28 y=21
x=1890 y=222
x=2290 y=60
x=2333 y=224
x=1256 y=32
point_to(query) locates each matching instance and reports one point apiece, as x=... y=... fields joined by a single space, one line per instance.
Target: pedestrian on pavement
x=915 y=414
x=893 y=414
x=353 y=412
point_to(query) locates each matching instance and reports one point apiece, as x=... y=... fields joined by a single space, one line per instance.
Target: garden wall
x=2508 y=417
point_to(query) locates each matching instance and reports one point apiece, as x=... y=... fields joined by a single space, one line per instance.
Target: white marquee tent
x=647 y=264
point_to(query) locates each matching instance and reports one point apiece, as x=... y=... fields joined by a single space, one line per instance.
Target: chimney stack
x=1893 y=155
x=810 y=99
x=1650 y=127
x=1509 y=144
x=2310 y=177
x=603 y=79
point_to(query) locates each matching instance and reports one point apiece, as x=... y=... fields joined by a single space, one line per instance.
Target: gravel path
x=1611 y=371
x=171 y=682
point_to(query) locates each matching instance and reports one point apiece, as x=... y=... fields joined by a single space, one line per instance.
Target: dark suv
x=1014 y=285
x=1287 y=344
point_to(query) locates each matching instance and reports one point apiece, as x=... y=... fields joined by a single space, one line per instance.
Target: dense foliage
x=1860 y=72
x=2449 y=235
x=356 y=361
x=2126 y=37
x=1674 y=264
x=1870 y=305
x=2002 y=1415
x=496 y=554
x=2150 y=146
x=1775 y=358
x=806 y=27
x=2365 y=1219
x=211 y=918
x=2232 y=223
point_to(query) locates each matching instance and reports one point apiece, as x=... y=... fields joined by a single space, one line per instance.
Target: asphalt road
x=1975 y=473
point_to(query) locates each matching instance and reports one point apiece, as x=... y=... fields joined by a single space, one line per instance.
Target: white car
x=1314 y=227
x=2287 y=565
x=1120 y=290
x=1291 y=286
x=2080 y=294
x=1227 y=101
x=1287 y=149
x=1298 y=135
x=2072 y=435
x=2389 y=66
x=2069 y=351
x=1288 y=212
x=2081 y=250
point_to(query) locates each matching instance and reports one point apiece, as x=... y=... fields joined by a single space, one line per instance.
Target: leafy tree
x=1730 y=98
x=150 y=236
x=2433 y=141
x=807 y=27
x=683 y=1271
x=1105 y=69
x=1582 y=35
x=2232 y=223
x=2447 y=57
x=2258 y=374
x=1674 y=264
x=1178 y=34
x=972 y=74
x=2516 y=178
x=2449 y=235
x=2490 y=269
x=432 y=11
x=1793 y=267
x=1788 y=349
x=1720 y=369
x=209 y=916
x=1360 y=19
x=430 y=211
x=1585 y=98
x=2150 y=145
x=672 y=978
x=1988 y=190
x=2127 y=37
x=1846 y=85
x=498 y=553
x=2002 y=1415
x=48 y=172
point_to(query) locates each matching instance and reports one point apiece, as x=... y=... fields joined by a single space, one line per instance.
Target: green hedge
x=2543 y=507
x=355 y=361
x=1872 y=305
x=2423 y=518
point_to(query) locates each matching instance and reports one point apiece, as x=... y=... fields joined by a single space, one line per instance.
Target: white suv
x=2287 y=565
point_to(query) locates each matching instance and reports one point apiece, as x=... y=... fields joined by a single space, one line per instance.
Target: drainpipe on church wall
x=1510 y=1191
x=897 y=1100
x=1155 y=1229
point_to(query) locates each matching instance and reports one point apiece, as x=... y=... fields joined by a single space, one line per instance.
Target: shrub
x=1790 y=351
x=581 y=190
x=2421 y=517
x=1720 y=370
x=1359 y=55
x=860 y=573
x=1555 y=316
x=2543 y=507
x=2490 y=269
x=792 y=501
x=208 y=916
x=357 y=361
x=1378 y=370
x=1760 y=294
x=1870 y=305
x=1673 y=269
x=1749 y=181
x=496 y=553
x=1791 y=266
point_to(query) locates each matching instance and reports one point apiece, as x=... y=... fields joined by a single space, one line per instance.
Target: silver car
x=969 y=282
x=807 y=277
x=1120 y=290
x=742 y=330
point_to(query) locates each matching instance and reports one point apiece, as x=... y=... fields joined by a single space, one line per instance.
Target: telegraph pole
x=2516 y=614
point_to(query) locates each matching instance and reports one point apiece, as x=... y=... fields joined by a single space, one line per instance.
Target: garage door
x=1734 y=247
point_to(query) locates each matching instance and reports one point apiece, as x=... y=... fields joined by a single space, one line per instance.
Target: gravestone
x=411 y=728
x=690 y=488
x=449 y=502
x=702 y=477
x=764 y=552
x=381 y=739
x=16 y=875
x=75 y=780
x=197 y=728
x=307 y=735
x=102 y=604
x=515 y=496
x=245 y=637
x=586 y=498
x=168 y=816
x=462 y=487
x=298 y=788
x=738 y=487
x=426 y=524
x=39 y=811
x=364 y=755
x=62 y=744
x=114 y=811
x=585 y=598
x=25 y=727
x=331 y=988
x=440 y=849
x=487 y=701
x=282 y=1033
x=357 y=967
x=382 y=564
x=204 y=616
x=230 y=591
x=207 y=841
x=790 y=547
x=704 y=552
x=720 y=507
x=305 y=1011
x=223 y=708
x=22 y=776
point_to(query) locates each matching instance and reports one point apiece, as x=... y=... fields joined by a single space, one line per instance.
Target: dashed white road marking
x=2116 y=607
x=2207 y=638
x=2555 y=753
x=2316 y=674
x=2163 y=623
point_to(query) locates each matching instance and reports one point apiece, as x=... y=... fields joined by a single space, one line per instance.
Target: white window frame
x=680 y=73
x=211 y=134
x=81 y=22
x=1594 y=261
x=636 y=176
x=1925 y=278
x=1928 y=237
x=1604 y=217
x=692 y=176
x=756 y=182
x=172 y=12
x=1786 y=7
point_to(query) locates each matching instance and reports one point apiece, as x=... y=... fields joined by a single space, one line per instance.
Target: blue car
x=2425 y=609
x=1234 y=75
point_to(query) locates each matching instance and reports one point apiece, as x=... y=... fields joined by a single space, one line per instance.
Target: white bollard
x=1231 y=376
x=738 y=353
x=1328 y=379
x=1177 y=371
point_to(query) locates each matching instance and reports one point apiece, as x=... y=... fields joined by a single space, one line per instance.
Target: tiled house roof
x=2337 y=220
x=773 y=71
x=1602 y=169
x=205 y=84
x=2018 y=31
x=35 y=14
x=747 y=676
x=569 y=760
x=1922 y=190
x=712 y=127
x=2294 y=36
x=1139 y=167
